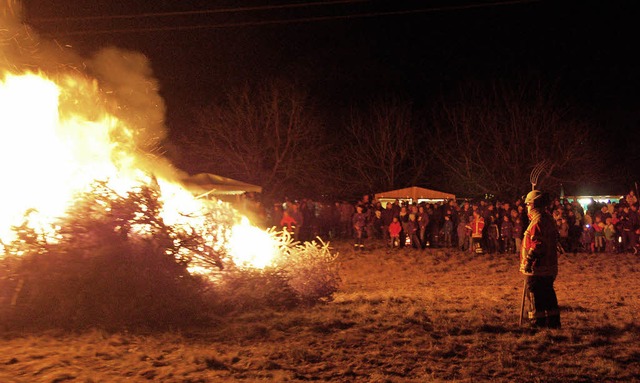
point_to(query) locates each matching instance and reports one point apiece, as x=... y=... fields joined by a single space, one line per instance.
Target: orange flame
x=56 y=140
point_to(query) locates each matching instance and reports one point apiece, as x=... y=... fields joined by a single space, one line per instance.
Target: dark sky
x=415 y=48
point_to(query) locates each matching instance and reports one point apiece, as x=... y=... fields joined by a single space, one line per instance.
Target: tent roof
x=218 y=185
x=415 y=192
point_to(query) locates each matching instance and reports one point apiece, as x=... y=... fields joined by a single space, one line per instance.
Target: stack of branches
x=113 y=263
x=304 y=274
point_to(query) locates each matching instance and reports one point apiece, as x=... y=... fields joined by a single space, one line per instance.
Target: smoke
x=125 y=81
x=127 y=77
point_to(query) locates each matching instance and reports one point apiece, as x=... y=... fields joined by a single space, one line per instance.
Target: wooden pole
x=524 y=297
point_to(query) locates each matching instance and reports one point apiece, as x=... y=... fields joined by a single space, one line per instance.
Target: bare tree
x=383 y=150
x=267 y=135
x=490 y=138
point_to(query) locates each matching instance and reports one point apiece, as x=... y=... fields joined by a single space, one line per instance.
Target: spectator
x=465 y=213
x=587 y=219
x=575 y=230
x=631 y=198
x=325 y=214
x=403 y=217
x=447 y=231
x=433 y=229
x=477 y=226
x=359 y=221
x=386 y=218
x=394 y=232
x=517 y=233
x=635 y=224
x=346 y=213
x=463 y=233
x=276 y=216
x=506 y=234
x=627 y=222
x=307 y=227
x=493 y=234
x=423 y=224
x=563 y=233
x=376 y=224
x=288 y=223
x=603 y=213
x=412 y=231
x=586 y=239
x=296 y=214
x=609 y=235
x=598 y=235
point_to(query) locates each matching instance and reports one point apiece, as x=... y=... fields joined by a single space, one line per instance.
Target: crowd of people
x=482 y=226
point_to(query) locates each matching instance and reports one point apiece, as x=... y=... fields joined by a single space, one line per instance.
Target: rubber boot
x=554 y=321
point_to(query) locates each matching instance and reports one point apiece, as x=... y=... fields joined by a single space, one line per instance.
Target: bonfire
x=90 y=205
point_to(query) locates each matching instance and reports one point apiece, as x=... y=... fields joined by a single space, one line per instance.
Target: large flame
x=46 y=159
x=252 y=246
x=58 y=136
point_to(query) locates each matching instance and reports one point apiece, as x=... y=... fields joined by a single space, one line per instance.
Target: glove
x=528 y=267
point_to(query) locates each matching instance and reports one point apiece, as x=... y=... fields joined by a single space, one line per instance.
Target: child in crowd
x=598 y=234
x=609 y=235
x=394 y=232
x=586 y=239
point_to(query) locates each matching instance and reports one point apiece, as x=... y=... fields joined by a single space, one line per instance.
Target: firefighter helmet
x=532 y=196
x=536 y=198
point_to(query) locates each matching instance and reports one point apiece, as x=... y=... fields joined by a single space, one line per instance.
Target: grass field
x=403 y=316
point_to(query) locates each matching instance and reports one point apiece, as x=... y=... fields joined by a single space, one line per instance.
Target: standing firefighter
x=539 y=262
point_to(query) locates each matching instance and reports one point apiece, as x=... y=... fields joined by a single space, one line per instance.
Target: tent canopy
x=213 y=184
x=415 y=194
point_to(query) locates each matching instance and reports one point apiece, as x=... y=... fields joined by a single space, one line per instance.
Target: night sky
x=347 y=53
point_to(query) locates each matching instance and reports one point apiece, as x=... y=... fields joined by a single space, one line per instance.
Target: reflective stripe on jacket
x=540 y=242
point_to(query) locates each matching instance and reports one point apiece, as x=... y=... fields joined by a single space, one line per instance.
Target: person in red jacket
x=287 y=222
x=394 y=232
x=539 y=262
x=477 y=226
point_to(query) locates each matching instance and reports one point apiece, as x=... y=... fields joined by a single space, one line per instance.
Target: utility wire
x=293 y=20
x=198 y=12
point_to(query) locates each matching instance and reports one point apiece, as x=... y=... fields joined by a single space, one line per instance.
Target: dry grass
x=403 y=316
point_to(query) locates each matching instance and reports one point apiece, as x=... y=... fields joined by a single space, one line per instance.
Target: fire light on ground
x=59 y=135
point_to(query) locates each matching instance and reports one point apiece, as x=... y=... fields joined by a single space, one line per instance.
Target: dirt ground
x=436 y=315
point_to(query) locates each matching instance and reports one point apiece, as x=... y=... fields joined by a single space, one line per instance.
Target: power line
x=294 y=20
x=199 y=12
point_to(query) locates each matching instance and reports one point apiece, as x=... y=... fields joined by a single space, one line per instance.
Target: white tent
x=207 y=184
x=414 y=194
